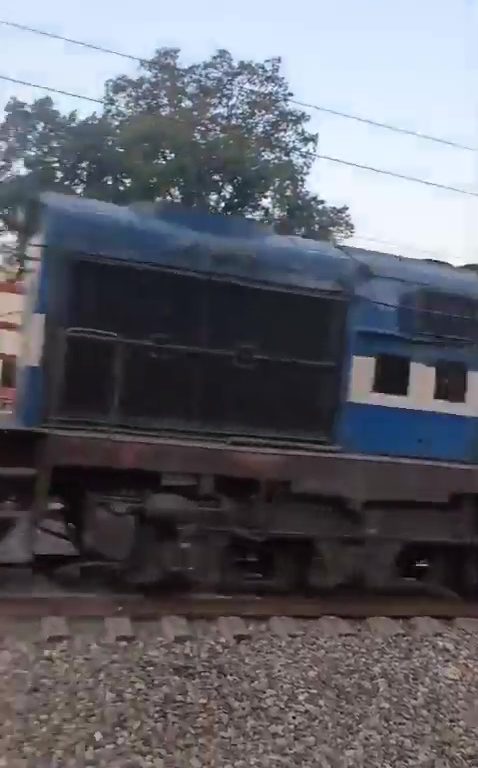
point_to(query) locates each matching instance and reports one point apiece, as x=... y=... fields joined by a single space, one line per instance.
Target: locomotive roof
x=178 y=237
x=438 y=275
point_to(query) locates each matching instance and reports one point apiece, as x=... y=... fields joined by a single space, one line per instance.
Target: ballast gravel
x=366 y=699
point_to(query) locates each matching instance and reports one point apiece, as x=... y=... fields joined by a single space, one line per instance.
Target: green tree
x=221 y=134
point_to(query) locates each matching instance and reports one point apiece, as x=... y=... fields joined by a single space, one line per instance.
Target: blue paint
x=29 y=396
x=381 y=430
x=29 y=389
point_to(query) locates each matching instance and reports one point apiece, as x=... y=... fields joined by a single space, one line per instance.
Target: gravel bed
x=310 y=701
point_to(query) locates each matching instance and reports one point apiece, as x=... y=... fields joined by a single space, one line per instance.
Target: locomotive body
x=208 y=400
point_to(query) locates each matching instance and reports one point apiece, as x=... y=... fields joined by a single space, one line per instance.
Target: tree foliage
x=220 y=133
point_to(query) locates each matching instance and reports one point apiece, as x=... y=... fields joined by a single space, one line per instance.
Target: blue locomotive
x=201 y=398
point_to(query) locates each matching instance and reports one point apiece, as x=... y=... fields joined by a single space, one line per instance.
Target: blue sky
x=412 y=62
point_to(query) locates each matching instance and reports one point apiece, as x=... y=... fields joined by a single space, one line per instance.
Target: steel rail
x=206 y=607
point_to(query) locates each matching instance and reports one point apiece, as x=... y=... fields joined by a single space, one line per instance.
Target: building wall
x=11 y=308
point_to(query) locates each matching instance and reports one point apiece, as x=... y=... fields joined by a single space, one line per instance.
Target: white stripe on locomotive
x=421 y=390
x=33 y=323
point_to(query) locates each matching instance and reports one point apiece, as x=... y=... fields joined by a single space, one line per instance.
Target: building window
x=392 y=374
x=450 y=381
x=8 y=370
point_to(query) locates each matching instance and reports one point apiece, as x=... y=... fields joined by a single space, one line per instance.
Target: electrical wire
x=305 y=105
x=437 y=255
x=17 y=81
x=396 y=175
x=314 y=155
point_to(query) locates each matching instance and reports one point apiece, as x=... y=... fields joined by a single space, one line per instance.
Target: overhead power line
x=73 y=41
x=305 y=105
x=16 y=81
x=386 y=126
x=403 y=247
x=315 y=155
x=396 y=175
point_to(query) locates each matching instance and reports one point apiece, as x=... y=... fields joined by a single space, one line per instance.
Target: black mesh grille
x=136 y=303
x=276 y=324
x=270 y=395
x=155 y=349
x=89 y=377
x=157 y=384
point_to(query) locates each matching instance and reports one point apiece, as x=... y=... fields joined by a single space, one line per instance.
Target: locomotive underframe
x=220 y=517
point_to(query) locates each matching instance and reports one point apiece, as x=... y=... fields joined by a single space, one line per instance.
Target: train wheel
x=270 y=566
x=469 y=573
x=287 y=573
x=434 y=570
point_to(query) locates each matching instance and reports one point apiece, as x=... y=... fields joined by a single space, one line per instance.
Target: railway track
x=77 y=606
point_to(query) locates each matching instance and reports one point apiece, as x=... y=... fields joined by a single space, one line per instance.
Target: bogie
x=260 y=537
